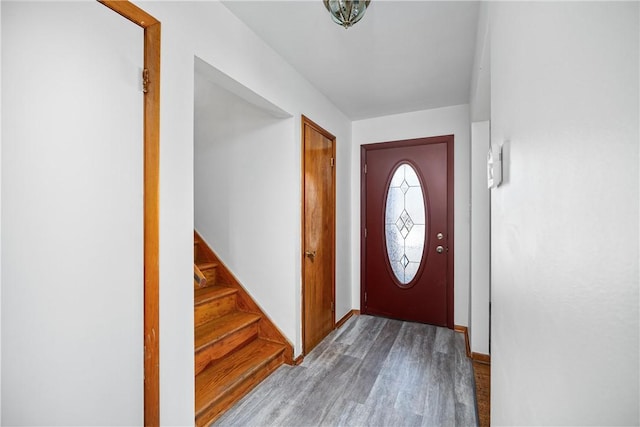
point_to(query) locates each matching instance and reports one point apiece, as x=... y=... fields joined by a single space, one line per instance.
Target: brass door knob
x=310 y=254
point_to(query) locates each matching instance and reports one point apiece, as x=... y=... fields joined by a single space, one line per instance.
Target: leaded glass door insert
x=405 y=223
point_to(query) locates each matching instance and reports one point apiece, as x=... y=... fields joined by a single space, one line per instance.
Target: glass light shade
x=346 y=12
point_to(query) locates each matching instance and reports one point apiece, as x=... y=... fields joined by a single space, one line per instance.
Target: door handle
x=439 y=249
x=310 y=254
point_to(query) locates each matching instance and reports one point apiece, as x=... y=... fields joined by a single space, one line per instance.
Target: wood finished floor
x=482 y=373
x=371 y=372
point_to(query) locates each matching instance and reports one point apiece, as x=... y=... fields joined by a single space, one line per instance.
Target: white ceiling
x=402 y=56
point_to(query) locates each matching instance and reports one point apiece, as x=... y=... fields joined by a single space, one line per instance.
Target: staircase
x=236 y=345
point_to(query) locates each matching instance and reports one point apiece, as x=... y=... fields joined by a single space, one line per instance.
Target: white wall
x=245 y=183
x=72 y=238
x=209 y=31
x=480 y=240
x=279 y=293
x=480 y=111
x=564 y=105
x=480 y=93
x=0 y=216
x=442 y=121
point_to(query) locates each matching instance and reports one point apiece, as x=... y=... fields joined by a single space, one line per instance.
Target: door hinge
x=145 y=80
x=365 y=168
x=365 y=297
x=333 y=162
x=365 y=232
x=333 y=308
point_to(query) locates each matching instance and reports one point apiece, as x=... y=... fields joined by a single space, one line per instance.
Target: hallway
x=371 y=371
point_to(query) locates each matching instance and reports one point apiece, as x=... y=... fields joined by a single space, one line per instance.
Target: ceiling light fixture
x=346 y=12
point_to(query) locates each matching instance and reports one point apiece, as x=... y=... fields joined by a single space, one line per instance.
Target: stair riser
x=224 y=346
x=231 y=396
x=198 y=253
x=211 y=276
x=214 y=309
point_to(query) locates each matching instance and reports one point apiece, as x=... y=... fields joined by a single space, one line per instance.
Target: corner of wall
x=0 y=216
x=479 y=298
x=480 y=87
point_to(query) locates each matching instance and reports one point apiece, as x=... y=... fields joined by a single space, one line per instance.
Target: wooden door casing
x=151 y=147
x=318 y=234
x=435 y=268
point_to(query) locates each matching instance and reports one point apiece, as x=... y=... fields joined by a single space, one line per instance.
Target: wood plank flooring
x=482 y=373
x=371 y=371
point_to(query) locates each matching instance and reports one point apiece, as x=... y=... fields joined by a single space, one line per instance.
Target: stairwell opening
x=246 y=214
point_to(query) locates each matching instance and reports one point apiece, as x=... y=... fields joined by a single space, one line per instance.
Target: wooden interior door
x=407 y=270
x=318 y=234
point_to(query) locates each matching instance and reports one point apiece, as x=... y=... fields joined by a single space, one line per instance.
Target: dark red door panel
x=407 y=214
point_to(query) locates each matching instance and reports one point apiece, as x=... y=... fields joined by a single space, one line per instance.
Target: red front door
x=407 y=217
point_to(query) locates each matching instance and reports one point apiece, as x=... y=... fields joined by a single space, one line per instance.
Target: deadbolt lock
x=440 y=236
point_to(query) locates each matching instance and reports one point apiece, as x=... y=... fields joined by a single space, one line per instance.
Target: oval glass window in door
x=405 y=223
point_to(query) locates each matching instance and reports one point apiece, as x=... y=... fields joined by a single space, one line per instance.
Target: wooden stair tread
x=228 y=373
x=236 y=346
x=206 y=294
x=207 y=265
x=221 y=327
